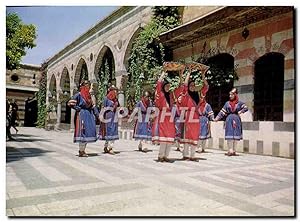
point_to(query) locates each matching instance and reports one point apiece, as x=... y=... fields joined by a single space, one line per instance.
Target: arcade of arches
x=267 y=53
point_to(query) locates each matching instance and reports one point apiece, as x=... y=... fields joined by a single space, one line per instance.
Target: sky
x=57 y=26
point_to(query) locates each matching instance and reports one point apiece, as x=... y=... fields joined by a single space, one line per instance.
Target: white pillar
x=72 y=114
x=121 y=98
x=58 y=115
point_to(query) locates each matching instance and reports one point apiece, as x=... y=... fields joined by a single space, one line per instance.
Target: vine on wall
x=147 y=54
x=103 y=82
x=41 y=98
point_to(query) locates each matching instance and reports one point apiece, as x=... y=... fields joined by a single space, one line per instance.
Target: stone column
x=121 y=78
x=58 y=114
x=121 y=97
x=72 y=127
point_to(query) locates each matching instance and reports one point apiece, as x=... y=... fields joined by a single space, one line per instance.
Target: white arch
x=100 y=54
x=129 y=45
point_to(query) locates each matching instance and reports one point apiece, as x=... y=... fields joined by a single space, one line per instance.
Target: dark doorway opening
x=268 y=87
x=31 y=109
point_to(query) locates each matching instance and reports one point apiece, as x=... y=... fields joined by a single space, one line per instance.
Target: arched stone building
x=258 y=42
x=111 y=39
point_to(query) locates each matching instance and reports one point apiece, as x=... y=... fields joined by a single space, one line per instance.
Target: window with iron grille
x=268 y=87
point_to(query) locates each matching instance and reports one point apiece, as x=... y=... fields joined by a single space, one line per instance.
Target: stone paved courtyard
x=45 y=177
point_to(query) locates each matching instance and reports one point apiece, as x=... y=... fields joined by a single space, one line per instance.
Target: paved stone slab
x=45 y=177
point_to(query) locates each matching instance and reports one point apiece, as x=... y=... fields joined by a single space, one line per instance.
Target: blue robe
x=179 y=126
x=109 y=131
x=85 y=121
x=204 y=117
x=142 y=130
x=233 y=124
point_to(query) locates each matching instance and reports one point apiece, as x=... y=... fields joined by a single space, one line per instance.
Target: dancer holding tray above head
x=190 y=100
x=205 y=113
x=163 y=130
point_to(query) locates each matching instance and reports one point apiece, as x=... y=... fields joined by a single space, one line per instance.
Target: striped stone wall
x=271 y=35
x=262 y=138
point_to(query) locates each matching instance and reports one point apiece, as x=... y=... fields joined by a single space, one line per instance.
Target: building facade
x=110 y=40
x=256 y=42
x=21 y=86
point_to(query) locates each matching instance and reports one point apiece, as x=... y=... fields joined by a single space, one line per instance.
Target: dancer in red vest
x=163 y=131
x=190 y=100
x=206 y=114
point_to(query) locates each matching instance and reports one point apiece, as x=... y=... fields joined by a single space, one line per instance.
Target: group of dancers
x=190 y=125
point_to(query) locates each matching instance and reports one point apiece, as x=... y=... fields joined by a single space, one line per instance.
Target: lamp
x=245 y=33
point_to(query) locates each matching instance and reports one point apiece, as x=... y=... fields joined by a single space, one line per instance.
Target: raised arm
x=160 y=82
x=187 y=78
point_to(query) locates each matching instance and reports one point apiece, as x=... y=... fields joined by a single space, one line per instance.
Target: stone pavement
x=45 y=177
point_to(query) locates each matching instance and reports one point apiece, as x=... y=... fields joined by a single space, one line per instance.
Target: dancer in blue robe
x=233 y=124
x=85 y=117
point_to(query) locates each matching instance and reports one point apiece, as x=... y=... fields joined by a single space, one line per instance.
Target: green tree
x=19 y=37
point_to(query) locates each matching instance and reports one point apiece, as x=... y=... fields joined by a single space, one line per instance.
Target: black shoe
x=106 y=150
x=160 y=159
x=166 y=159
x=110 y=151
x=82 y=154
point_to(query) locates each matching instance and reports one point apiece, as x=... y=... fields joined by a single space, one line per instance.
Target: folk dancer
x=143 y=127
x=206 y=114
x=179 y=124
x=163 y=130
x=109 y=130
x=233 y=124
x=85 y=117
x=190 y=100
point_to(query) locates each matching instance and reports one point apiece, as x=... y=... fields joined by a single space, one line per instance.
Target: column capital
x=121 y=73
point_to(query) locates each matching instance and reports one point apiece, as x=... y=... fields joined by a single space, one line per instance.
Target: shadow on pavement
x=28 y=138
x=172 y=160
x=15 y=154
x=143 y=151
x=92 y=154
x=22 y=135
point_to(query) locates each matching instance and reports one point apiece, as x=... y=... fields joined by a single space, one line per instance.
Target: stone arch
x=65 y=80
x=52 y=86
x=129 y=45
x=220 y=64
x=81 y=71
x=286 y=46
x=269 y=87
x=105 y=54
x=65 y=95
